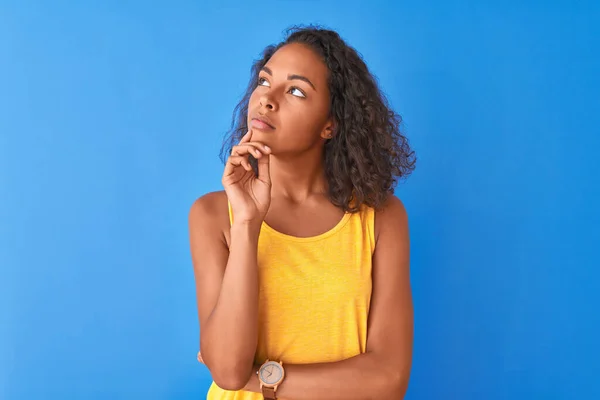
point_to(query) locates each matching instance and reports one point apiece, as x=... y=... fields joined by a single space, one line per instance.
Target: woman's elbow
x=397 y=386
x=229 y=382
x=231 y=377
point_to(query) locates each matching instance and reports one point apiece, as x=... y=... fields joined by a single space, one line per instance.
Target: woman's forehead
x=296 y=58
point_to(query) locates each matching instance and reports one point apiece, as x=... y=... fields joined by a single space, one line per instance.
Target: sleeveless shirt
x=314 y=295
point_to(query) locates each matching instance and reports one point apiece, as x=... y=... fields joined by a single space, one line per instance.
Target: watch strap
x=269 y=393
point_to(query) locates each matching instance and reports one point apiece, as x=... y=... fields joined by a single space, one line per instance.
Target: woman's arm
x=226 y=291
x=383 y=371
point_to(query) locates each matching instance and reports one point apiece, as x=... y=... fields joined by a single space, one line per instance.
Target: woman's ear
x=329 y=130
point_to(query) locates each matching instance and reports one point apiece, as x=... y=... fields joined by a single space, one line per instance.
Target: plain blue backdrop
x=111 y=119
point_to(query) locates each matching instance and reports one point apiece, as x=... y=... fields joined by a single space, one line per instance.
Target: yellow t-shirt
x=314 y=296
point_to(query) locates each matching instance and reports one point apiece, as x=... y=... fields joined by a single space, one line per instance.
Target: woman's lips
x=258 y=124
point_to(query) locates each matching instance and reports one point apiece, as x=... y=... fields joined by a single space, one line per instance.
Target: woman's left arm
x=382 y=372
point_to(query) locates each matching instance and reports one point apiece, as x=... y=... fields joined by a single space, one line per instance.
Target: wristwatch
x=270 y=375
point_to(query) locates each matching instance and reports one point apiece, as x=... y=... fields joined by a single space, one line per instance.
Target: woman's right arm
x=227 y=277
x=226 y=292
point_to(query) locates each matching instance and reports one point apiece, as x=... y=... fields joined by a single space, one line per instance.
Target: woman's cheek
x=252 y=99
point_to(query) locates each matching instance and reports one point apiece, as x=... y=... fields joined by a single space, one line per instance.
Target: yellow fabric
x=314 y=297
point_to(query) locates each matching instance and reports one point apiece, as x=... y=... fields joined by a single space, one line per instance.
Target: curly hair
x=368 y=153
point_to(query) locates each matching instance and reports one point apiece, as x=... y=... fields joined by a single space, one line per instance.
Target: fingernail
x=267 y=148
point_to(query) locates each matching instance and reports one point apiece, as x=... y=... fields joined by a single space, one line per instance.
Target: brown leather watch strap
x=269 y=393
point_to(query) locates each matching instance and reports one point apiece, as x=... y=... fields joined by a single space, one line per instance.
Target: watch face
x=271 y=373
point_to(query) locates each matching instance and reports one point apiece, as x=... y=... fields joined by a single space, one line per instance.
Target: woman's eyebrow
x=302 y=78
x=292 y=77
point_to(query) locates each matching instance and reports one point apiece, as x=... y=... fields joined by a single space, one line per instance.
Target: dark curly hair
x=367 y=153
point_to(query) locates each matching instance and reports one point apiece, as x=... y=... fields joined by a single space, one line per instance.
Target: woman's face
x=292 y=100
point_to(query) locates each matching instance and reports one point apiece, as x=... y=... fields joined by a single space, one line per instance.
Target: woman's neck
x=298 y=179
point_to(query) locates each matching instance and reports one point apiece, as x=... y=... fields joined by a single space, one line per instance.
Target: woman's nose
x=268 y=102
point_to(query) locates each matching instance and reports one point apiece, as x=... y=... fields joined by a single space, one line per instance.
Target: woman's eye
x=293 y=90
x=297 y=91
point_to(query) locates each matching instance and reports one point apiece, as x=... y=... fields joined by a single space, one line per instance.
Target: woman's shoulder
x=211 y=202
x=211 y=210
x=391 y=213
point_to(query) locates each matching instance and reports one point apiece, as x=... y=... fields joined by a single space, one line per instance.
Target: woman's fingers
x=264 y=174
x=246 y=137
x=236 y=161
x=239 y=157
x=255 y=148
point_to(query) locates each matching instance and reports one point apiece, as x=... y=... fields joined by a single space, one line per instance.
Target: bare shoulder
x=391 y=218
x=211 y=203
x=210 y=212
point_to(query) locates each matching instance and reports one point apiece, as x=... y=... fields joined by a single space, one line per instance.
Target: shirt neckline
x=320 y=236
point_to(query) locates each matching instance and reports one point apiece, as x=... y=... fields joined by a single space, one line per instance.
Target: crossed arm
x=383 y=371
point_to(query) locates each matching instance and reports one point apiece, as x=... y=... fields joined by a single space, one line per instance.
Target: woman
x=302 y=263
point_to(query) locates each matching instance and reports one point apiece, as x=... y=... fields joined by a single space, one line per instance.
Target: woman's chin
x=260 y=136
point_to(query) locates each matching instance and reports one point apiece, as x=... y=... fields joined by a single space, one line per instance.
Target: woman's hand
x=249 y=195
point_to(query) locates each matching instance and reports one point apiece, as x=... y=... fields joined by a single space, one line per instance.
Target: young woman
x=302 y=262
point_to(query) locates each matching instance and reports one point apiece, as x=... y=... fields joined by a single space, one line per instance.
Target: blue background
x=111 y=119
